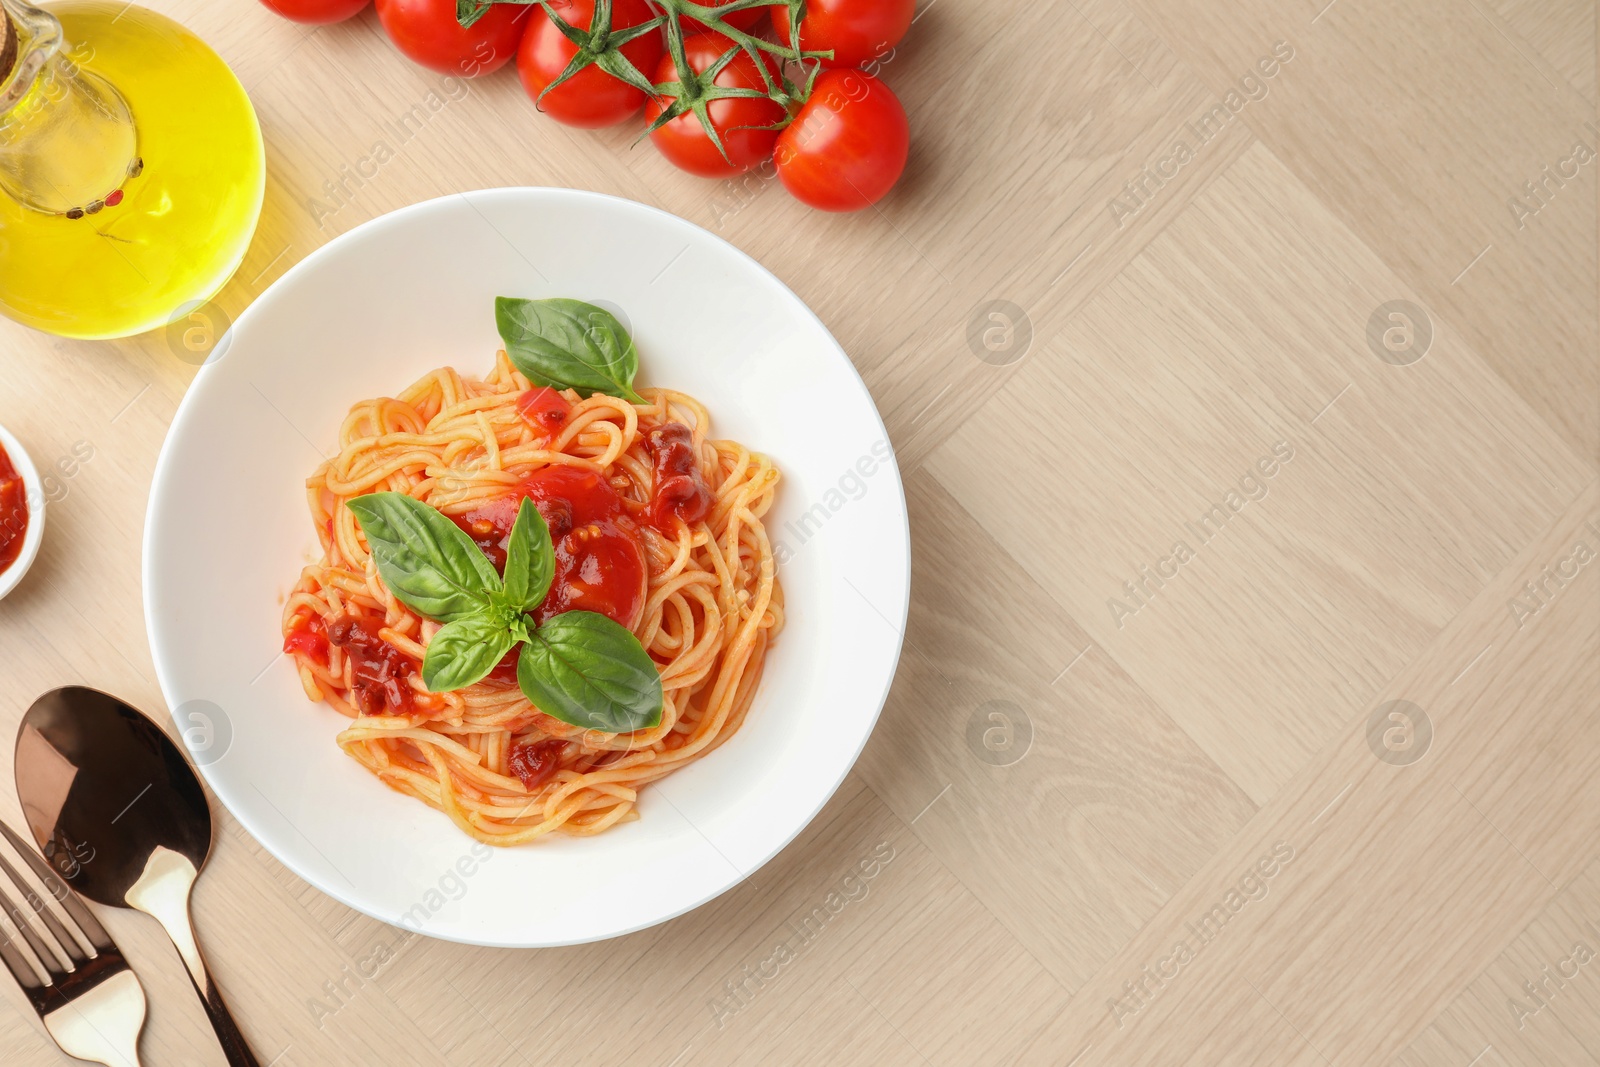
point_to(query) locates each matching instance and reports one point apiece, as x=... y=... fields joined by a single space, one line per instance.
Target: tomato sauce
x=599 y=559
x=680 y=488
x=13 y=512
x=379 y=672
x=537 y=763
x=505 y=672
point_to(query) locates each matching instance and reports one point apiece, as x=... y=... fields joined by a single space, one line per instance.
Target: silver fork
x=91 y=1002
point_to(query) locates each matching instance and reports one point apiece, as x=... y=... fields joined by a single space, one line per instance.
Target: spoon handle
x=228 y=1035
x=163 y=894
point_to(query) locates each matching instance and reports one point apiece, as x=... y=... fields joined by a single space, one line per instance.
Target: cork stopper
x=8 y=50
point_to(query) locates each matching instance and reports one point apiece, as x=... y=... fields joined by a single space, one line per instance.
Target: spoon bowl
x=96 y=777
x=119 y=812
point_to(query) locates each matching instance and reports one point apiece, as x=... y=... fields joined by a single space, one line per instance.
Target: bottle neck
x=67 y=138
x=32 y=38
x=8 y=44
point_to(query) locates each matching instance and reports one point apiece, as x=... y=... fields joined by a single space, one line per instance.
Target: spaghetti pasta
x=502 y=770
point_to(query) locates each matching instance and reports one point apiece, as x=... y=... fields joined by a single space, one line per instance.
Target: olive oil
x=131 y=169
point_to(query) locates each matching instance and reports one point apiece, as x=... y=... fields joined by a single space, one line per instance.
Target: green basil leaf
x=462 y=652
x=584 y=669
x=427 y=561
x=530 y=560
x=567 y=344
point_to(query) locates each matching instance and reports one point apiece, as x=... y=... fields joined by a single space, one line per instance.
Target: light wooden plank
x=1402 y=891
x=1536 y=1003
x=1562 y=32
x=1417 y=124
x=1232 y=361
x=1078 y=756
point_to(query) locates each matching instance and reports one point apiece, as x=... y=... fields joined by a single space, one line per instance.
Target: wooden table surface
x=1247 y=399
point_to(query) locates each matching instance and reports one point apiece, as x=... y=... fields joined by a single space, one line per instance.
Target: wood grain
x=1325 y=790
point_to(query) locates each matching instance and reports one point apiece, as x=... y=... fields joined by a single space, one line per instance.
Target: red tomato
x=544 y=409
x=684 y=140
x=600 y=563
x=739 y=20
x=308 y=637
x=600 y=567
x=848 y=144
x=427 y=32
x=316 y=11
x=590 y=98
x=857 y=31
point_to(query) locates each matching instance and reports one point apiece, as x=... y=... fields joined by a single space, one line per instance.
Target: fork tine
x=54 y=973
x=94 y=1011
x=68 y=899
x=18 y=965
x=69 y=944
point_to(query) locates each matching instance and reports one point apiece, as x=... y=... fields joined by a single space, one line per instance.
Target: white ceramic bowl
x=35 y=493
x=228 y=532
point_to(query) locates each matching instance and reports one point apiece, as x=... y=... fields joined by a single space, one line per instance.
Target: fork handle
x=101 y=1024
x=164 y=896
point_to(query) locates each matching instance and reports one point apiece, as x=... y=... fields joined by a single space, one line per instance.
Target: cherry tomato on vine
x=684 y=140
x=847 y=145
x=316 y=12
x=857 y=31
x=739 y=20
x=590 y=98
x=428 y=33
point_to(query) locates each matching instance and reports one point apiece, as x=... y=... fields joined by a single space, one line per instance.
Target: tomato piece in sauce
x=379 y=672
x=308 y=636
x=13 y=512
x=680 y=488
x=544 y=409
x=600 y=562
x=505 y=672
x=537 y=763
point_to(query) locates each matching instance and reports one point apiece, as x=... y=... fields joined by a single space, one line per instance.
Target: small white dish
x=35 y=495
x=228 y=533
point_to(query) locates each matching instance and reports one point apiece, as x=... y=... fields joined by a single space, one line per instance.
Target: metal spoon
x=102 y=787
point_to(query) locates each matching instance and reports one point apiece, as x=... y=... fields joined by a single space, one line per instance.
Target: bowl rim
x=394 y=217
x=33 y=487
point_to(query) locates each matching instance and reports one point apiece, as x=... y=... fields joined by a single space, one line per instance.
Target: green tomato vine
x=691 y=92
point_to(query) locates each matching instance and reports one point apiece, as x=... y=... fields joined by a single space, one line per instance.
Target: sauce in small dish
x=21 y=512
